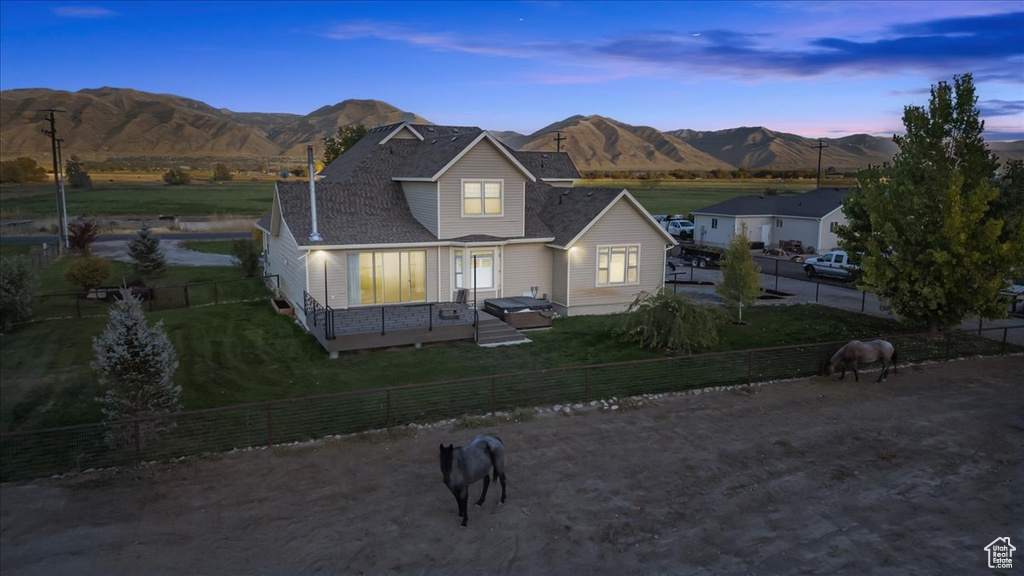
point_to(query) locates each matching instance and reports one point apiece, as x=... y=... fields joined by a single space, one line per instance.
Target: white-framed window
x=387 y=277
x=714 y=223
x=618 y=265
x=482 y=197
x=483 y=273
x=833 y=227
x=778 y=222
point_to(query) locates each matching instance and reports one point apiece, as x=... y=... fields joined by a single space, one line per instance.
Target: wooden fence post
x=184 y=289
x=270 y=426
x=750 y=366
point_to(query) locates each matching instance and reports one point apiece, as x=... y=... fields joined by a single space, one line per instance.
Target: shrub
x=247 y=257
x=82 y=233
x=177 y=177
x=87 y=272
x=17 y=291
x=667 y=321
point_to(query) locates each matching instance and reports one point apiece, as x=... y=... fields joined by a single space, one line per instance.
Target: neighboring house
x=810 y=218
x=410 y=215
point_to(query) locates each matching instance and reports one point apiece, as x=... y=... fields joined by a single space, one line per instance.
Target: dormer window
x=481 y=198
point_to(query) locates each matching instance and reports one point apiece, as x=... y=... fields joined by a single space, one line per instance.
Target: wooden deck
x=403 y=325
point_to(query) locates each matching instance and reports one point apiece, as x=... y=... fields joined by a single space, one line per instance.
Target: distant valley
x=104 y=123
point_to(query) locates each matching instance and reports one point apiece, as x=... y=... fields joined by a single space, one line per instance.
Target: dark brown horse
x=856 y=352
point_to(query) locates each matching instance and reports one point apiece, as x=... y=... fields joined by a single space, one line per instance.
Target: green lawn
x=211 y=246
x=238 y=353
x=146 y=198
x=685 y=196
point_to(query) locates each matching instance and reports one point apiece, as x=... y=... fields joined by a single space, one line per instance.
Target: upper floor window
x=833 y=227
x=778 y=222
x=481 y=198
x=714 y=223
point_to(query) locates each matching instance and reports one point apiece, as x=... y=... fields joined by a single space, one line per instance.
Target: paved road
x=116 y=237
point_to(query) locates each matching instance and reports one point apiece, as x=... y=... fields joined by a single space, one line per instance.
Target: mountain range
x=98 y=124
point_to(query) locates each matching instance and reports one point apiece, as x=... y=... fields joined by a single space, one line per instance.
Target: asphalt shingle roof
x=440 y=145
x=813 y=204
x=359 y=203
x=548 y=165
x=566 y=211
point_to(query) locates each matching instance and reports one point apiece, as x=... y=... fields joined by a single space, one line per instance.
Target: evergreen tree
x=741 y=276
x=346 y=138
x=929 y=238
x=76 y=174
x=17 y=290
x=135 y=365
x=147 y=255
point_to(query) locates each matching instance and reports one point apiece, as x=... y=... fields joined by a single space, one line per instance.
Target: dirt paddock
x=914 y=475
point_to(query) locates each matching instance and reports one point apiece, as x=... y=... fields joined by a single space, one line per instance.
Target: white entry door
x=766 y=234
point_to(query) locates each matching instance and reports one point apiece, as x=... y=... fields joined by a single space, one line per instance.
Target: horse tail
x=894 y=361
x=494 y=457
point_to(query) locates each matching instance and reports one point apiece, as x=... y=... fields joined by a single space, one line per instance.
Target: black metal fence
x=96 y=302
x=37 y=453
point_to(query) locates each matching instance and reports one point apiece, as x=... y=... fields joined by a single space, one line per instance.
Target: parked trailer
x=697 y=257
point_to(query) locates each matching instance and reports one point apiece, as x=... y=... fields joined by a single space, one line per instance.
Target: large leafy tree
x=76 y=174
x=741 y=276
x=346 y=138
x=930 y=241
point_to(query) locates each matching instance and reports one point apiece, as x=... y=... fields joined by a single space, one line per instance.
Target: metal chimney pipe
x=314 y=236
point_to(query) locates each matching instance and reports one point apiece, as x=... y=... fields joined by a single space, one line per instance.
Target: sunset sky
x=818 y=69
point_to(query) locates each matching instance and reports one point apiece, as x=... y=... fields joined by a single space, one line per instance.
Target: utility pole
x=52 y=133
x=63 y=195
x=819 y=147
x=558 y=141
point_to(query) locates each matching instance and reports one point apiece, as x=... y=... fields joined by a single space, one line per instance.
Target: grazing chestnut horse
x=855 y=352
x=464 y=465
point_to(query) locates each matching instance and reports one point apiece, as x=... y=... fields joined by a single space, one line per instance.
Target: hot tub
x=520 y=312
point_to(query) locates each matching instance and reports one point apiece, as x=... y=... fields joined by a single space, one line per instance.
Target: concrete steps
x=494 y=332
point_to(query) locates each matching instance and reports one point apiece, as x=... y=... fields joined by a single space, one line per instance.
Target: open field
x=803 y=477
x=684 y=196
x=143 y=199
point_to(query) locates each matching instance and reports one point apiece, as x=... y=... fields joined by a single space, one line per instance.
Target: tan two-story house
x=416 y=220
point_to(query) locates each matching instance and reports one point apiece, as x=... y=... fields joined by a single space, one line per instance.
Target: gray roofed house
x=809 y=219
x=413 y=216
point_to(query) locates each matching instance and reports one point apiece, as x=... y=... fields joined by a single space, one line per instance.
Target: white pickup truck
x=678 y=228
x=836 y=264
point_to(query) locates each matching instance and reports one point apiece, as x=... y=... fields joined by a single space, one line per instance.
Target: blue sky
x=819 y=69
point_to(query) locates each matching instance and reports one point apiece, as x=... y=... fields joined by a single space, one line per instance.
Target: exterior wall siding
x=714 y=236
x=482 y=162
x=422 y=199
x=527 y=265
x=283 y=259
x=829 y=240
x=754 y=224
x=559 y=278
x=802 y=229
x=621 y=225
